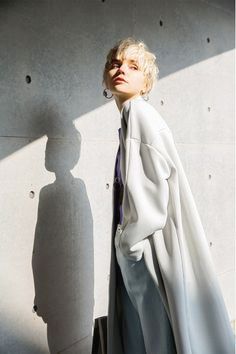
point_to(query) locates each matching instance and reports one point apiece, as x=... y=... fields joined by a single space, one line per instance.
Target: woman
x=164 y=295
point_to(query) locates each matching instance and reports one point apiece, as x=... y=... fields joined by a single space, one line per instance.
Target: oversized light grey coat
x=160 y=221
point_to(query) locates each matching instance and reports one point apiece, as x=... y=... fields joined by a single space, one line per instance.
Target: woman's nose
x=123 y=67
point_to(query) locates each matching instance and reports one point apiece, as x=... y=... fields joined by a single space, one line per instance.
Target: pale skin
x=134 y=85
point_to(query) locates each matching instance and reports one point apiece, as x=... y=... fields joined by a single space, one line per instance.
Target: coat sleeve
x=146 y=193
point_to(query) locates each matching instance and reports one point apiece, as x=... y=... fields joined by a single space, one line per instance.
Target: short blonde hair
x=134 y=49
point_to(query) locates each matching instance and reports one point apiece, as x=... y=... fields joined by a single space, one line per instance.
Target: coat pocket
x=136 y=251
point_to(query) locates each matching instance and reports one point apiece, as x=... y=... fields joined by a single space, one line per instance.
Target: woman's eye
x=116 y=65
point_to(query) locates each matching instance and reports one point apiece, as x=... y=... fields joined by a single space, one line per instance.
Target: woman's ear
x=145 y=87
x=144 y=91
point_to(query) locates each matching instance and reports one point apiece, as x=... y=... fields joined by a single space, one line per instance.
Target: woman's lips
x=119 y=80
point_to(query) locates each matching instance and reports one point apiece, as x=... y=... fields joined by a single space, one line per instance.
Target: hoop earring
x=145 y=98
x=106 y=95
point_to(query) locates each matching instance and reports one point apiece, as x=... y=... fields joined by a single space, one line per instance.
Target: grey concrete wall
x=58 y=140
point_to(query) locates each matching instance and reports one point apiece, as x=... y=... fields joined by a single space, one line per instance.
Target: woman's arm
x=146 y=193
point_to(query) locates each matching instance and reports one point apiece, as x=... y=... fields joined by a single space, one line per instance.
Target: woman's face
x=133 y=78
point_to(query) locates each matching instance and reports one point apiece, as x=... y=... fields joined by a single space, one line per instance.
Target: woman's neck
x=121 y=100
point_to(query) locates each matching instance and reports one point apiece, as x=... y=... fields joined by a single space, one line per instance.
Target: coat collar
x=126 y=104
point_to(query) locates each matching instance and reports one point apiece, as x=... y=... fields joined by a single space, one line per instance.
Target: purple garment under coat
x=119 y=181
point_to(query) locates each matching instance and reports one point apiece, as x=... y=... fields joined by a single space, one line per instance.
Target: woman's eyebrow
x=119 y=61
x=115 y=60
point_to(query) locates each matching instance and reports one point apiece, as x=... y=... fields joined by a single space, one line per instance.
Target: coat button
x=117 y=236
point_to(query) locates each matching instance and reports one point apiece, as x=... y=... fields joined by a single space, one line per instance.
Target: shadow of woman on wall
x=63 y=258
